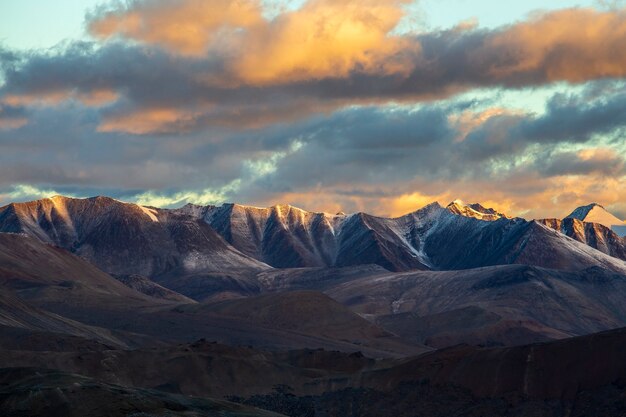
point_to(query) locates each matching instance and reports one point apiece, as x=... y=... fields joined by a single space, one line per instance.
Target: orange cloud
x=326 y=38
x=530 y=197
x=140 y=122
x=12 y=123
x=95 y=98
x=188 y=27
x=334 y=38
x=572 y=45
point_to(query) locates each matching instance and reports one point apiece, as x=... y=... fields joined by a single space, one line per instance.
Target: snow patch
x=150 y=213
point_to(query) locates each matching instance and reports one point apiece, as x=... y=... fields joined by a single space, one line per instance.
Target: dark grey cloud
x=12 y=112
x=363 y=150
x=603 y=163
x=382 y=148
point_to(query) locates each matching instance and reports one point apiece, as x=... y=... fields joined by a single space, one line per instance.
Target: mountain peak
x=475 y=210
x=581 y=212
x=596 y=213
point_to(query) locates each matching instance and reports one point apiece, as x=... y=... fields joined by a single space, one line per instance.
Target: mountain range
x=124 y=239
x=298 y=311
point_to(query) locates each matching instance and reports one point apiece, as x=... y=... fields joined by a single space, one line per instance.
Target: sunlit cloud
x=95 y=98
x=573 y=45
x=180 y=198
x=188 y=27
x=26 y=192
x=323 y=38
x=145 y=121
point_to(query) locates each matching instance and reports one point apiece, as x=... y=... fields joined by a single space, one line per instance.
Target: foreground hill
x=25 y=327
x=39 y=392
x=49 y=290
x=575 y=377
x=39 y=270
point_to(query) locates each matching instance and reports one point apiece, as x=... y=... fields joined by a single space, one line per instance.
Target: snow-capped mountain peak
x=596 y=213
x=476 y=210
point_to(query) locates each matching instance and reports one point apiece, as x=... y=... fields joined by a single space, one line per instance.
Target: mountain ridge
x=130 y=239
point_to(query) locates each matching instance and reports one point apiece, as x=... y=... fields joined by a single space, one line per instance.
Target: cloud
x=140 y=122
x=12 y=117
x=326 y=105
x=385 y=160
x=323 y=38
x=319 y=58
x=572 y=45
x=338 y=38
x=604 y=162
x=26 y=192
x=443 y=152
x=188 y=27
x=180 y=198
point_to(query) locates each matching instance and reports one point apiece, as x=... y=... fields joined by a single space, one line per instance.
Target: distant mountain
x=193 y=248
x=453 y=242
x=430 y=238
x=288 y=237
x=595 y=213
x=464 y=279
x=595 y=235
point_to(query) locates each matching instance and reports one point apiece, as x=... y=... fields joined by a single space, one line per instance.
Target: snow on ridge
x=151 y=213
x=476 y=211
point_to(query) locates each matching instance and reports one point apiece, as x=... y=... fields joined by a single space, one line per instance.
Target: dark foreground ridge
x=573 y=377
x=42 y=392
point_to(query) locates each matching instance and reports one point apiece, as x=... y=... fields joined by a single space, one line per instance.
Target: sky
x=380 y=106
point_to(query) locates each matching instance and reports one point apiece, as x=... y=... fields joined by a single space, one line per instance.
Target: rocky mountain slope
x=123 y=238
x=48 y=292
x=593 y=226
x=430 y=238
x=501 y=305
